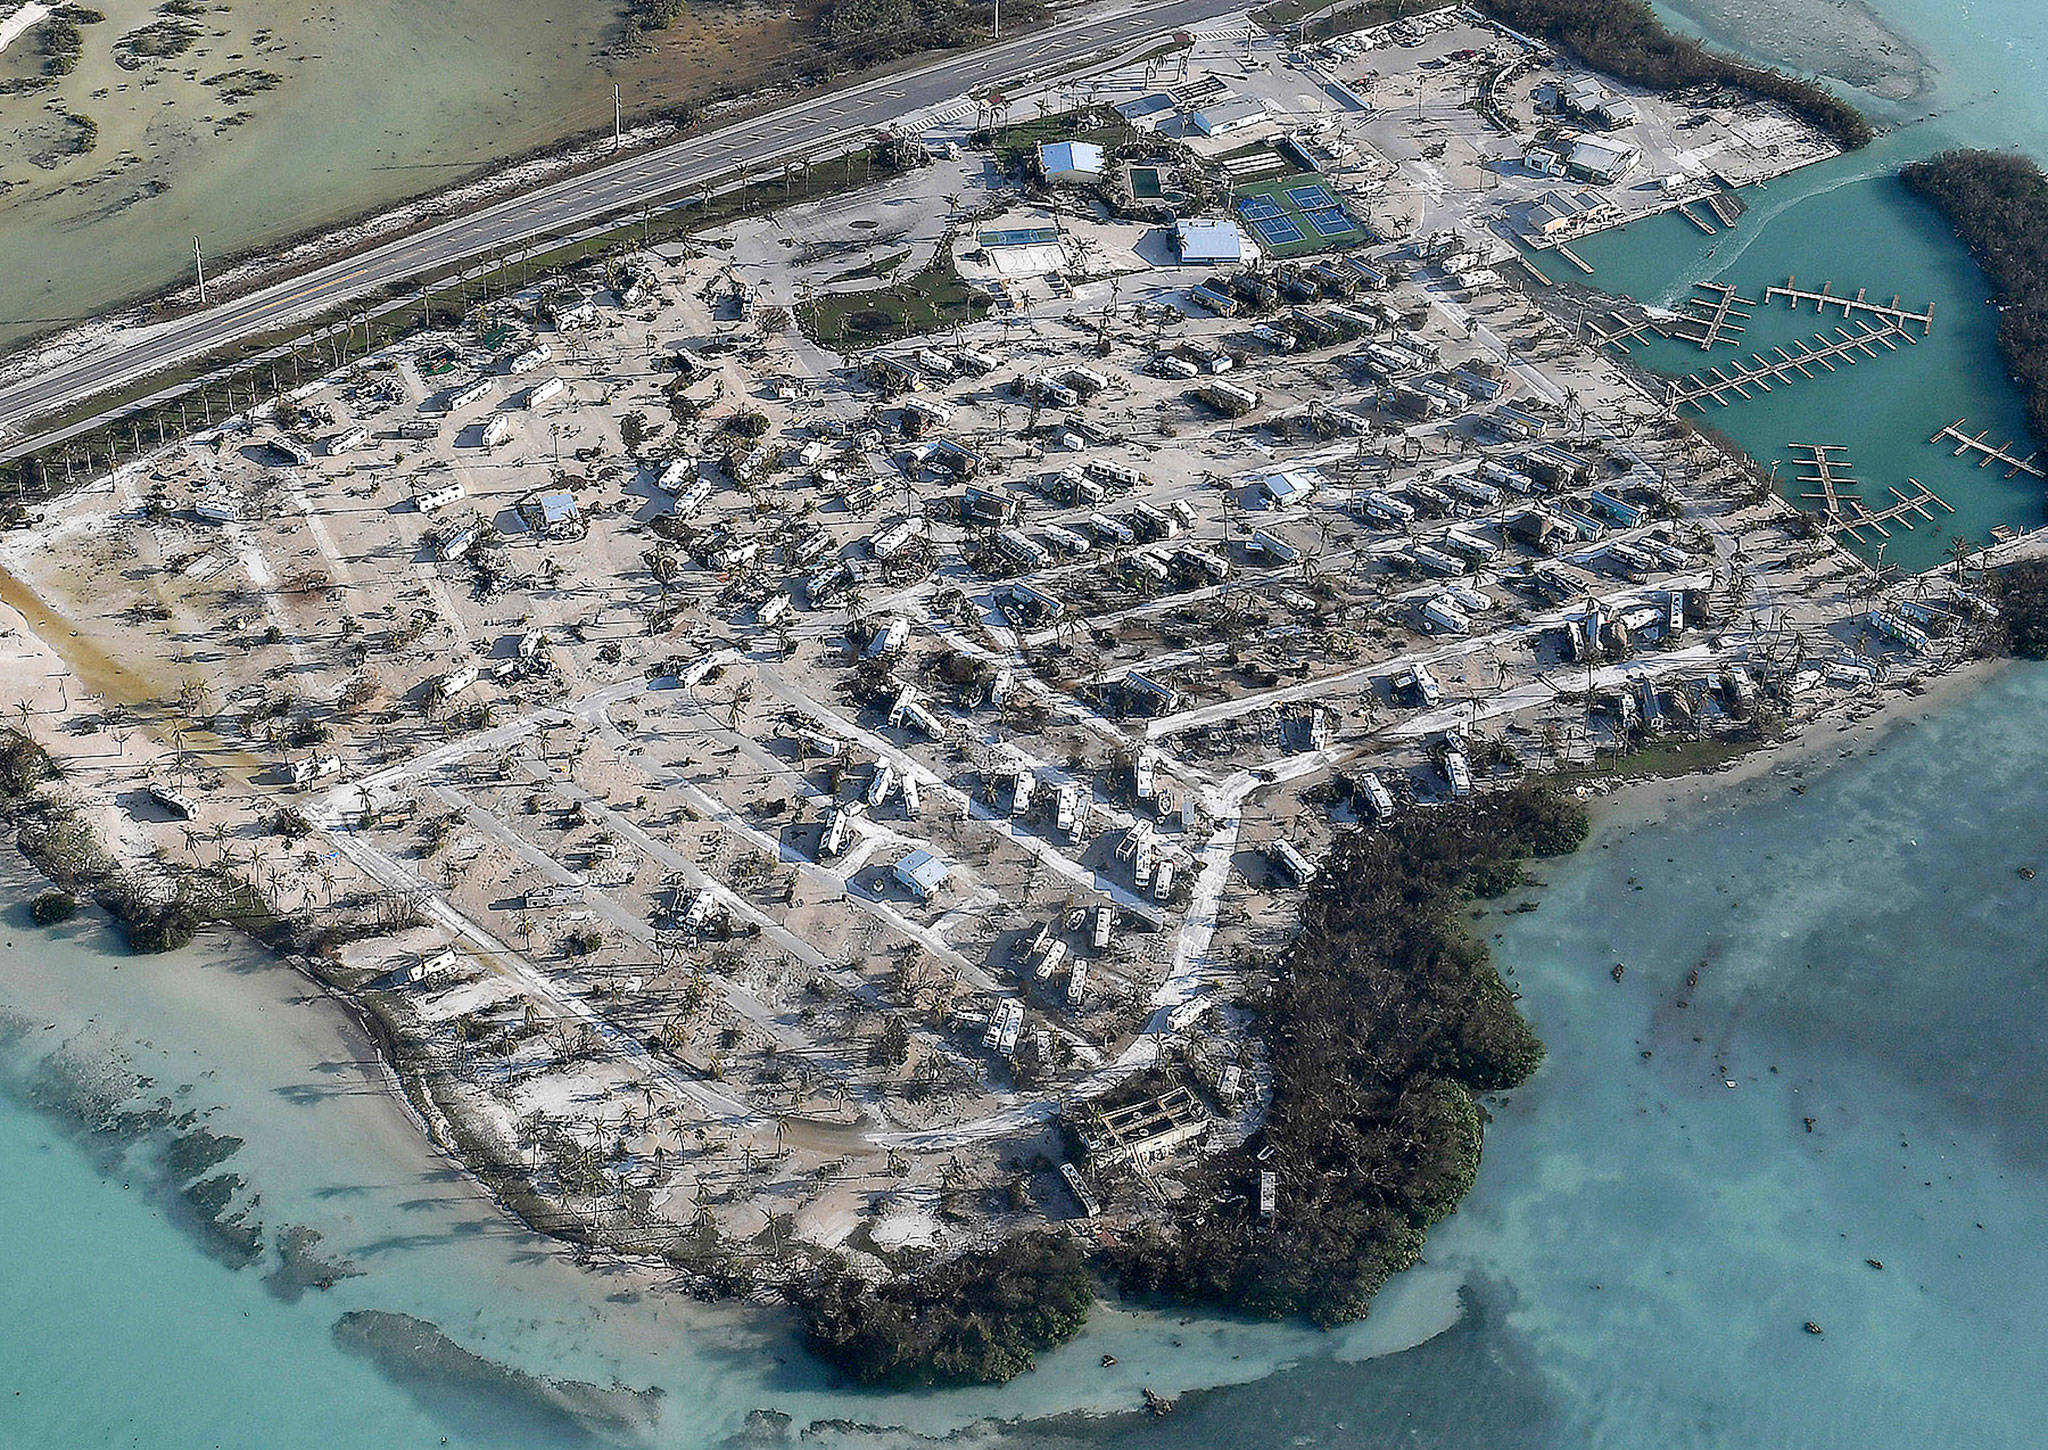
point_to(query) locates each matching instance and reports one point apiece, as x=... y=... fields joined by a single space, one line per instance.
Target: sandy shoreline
x=1837 y=732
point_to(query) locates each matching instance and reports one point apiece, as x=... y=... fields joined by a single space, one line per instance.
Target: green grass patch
x=1663 y=758
x=936 y=297
x=1016 y=141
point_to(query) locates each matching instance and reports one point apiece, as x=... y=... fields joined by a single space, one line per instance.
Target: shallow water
x=122 y=1323
x=1657 y=1221
x=1638 y=1259
x=380 y=101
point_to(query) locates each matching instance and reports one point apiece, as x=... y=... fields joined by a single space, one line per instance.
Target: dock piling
x=1844 y=347
x=1822 y=300
x=1965 y=443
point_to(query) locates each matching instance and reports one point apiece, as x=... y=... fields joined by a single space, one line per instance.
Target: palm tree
x=742 y=692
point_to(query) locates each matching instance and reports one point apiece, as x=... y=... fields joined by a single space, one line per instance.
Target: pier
x=1573 y=257
x=1893 y=314
x=1687 y=212
x=2001 y=454
x=1906 y=510
x=1727 y=206
x=1618 y=329
x=1800 y=361
x=1827 y=469
x=1712 y=314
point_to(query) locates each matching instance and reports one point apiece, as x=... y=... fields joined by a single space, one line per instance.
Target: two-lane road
x=802 y=129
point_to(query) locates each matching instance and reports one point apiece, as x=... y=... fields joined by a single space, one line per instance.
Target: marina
x=1906 y=510
x=1966 y=443
x=1891 y=313
x=1827 y=471
x=1621 y=330
x=1871 y=235
x=1714 y=313
x=1799 y=361
x=1826 y=477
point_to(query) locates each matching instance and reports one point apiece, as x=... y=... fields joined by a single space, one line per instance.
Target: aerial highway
x=805 y=128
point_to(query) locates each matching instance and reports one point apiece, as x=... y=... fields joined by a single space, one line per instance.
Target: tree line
x=1383 y=1020
x=2021 y=592
x=977 y=1319
x=1998 y=204
x=1625 y=39
x=862 y=33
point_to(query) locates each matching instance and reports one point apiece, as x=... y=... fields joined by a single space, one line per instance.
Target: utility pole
x=618 y=121
x=997 y=33
x=200 y=263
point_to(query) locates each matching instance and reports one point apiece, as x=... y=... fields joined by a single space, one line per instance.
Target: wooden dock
x=1728 y=206
x=1618 y=329
x=1573 y=257
x=1826 y=469
x=1906 y=510
x=1823 y=352
x=1822 y=300
x=2001 y=454
x=1714 y=313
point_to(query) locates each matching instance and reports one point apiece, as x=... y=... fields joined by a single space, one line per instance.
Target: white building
x=1073 y=161
x=924 y=873
x=1603 y=162
x=1234 y=114
x=1210 y=241
x=1289 y=486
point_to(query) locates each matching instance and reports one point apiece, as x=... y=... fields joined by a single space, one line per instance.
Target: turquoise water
x=1851 y=223
x=125 y=1322
x=1871 y=234
x=1706 y=1163
x=1636 y=1264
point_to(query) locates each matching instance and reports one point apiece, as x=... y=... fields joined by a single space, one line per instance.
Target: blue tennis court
x=1020 y=237
x=1310 y=198
x=1331 y=221
x=1276 y=230
x=1259 y=208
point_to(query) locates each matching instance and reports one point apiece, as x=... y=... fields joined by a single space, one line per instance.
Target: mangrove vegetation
x=1998 y=204
x=1384 y=1021
x=2021 y=593
x=979 y=1319
x=1625 y=39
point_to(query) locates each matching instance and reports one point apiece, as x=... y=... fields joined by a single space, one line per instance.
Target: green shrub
x=162 y=928
x=53 y=906
x=1626 y=39
x=2021 y=591
x=977 y=1319
x=1382 y=1021
x=1998 y=204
